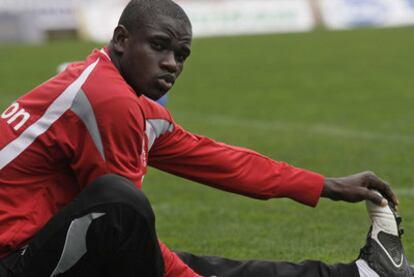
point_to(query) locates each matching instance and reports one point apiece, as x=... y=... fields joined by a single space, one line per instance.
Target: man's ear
x=120 y=38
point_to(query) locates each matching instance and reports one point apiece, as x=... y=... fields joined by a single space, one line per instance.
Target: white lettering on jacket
x=15 y=115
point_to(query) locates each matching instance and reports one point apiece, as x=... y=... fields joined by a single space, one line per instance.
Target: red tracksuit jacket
x=87 y=122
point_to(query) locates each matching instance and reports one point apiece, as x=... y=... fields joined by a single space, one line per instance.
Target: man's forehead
x=173 y=27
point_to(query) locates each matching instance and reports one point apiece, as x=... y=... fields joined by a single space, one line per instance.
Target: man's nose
x=169 y=63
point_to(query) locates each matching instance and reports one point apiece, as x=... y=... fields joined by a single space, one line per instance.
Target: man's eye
x=181 y=57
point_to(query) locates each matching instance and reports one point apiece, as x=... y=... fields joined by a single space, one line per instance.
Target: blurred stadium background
x=278 y=76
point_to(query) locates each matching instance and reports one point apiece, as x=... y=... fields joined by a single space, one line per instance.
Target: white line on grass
x=408 y=192
x=317 y=129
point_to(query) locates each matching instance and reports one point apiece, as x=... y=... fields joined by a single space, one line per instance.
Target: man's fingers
x=376 y=198
x=384 y=188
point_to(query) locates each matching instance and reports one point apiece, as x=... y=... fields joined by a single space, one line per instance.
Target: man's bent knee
x=115 y=189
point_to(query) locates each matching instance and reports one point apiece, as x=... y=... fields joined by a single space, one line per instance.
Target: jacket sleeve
x=233 y=169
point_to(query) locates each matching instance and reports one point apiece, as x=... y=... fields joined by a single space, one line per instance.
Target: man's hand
x=359 y=187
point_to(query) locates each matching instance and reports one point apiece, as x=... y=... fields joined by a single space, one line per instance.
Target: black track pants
x=221 y=267
x=108 y=230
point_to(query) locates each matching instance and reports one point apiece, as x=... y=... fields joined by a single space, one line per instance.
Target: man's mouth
x=166 y=81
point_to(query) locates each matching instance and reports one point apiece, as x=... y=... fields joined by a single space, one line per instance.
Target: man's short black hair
x=139 y=13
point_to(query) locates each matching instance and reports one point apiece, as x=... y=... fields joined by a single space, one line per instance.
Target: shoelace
x=398 y=218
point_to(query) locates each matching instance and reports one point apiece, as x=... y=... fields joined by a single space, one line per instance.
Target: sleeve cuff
x=302 y=185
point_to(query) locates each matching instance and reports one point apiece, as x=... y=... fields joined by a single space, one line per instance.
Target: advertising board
x=209 y=18
x=346 y=14
x=234 y=17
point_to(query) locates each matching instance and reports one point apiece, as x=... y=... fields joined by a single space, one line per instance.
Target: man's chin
x=155 y=95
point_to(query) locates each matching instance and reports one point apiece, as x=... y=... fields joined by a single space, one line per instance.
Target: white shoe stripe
x=386 y=252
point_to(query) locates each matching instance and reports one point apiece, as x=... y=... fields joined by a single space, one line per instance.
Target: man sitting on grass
x=74 y=152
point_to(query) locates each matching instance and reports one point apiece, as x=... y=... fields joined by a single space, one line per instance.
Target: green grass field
x=333 y=102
